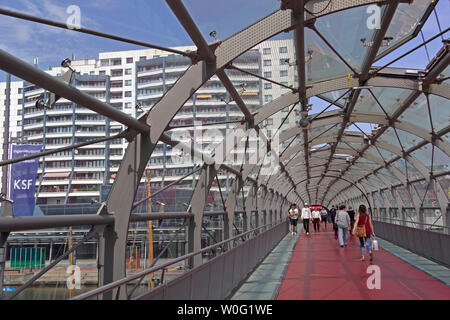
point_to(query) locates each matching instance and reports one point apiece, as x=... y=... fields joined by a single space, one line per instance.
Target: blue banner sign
x=23 y=179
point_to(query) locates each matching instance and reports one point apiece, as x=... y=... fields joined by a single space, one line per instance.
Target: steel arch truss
x=266 y=195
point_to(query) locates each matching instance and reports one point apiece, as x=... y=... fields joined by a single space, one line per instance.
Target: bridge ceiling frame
x=285 y=183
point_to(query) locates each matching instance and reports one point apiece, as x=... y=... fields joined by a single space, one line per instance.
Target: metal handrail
x=143 y=273
x=406 y=221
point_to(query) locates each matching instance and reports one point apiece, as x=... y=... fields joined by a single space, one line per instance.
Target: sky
x=153 y=21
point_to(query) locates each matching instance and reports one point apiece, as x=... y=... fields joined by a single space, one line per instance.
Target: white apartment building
x=127 y=78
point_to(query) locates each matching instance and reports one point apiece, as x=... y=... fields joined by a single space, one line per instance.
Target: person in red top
x=364 y=220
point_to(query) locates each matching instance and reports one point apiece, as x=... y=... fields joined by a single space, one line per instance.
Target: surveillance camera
x=303 y=123
x=40 y=104
x=66 y=63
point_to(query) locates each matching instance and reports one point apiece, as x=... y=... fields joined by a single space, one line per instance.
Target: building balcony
x=52 y=194
x=84 y=193
x=92 y=88
x=150 y=96
x=90 y=122
x=149 y=72
x=150 y=84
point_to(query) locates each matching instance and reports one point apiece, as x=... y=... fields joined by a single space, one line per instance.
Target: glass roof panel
x=424 y=155
x=334 y=95
x=413 y=173
x=390 y=137
x=440 y=112
x=227 y=17
x=441 y=161
x=377 y=180
x=406 y=19
x=351 y=145
x=375 y=152
x=388 y=175
x=417 y=113
x=321 y=63
x=408 y=140
x=320 y=131
x=400 y=165
x=390 y=98
x=387 y=155
x=367 y=163
x=367 y=104
x=344 y=31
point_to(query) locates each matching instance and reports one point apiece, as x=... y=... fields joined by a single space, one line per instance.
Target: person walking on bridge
x=351 y=214
x=316 y=219
x=343 y=224
x=306 y=216
x=363 y=229
x=333 y=220
x=293 y=218
x=324 y=216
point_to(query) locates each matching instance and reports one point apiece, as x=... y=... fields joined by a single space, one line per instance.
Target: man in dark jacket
x=351 y=214
x=333 y=216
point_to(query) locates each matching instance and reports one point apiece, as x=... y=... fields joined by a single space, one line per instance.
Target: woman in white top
x=316 y=218
x=306 y=216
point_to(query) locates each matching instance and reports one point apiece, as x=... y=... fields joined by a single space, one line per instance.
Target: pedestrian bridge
x=363 y=130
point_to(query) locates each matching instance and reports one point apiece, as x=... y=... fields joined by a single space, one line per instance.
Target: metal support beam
x=235 y=95
x=191 y=28
x=197 y=206
x=28 y=17
x=23 y=70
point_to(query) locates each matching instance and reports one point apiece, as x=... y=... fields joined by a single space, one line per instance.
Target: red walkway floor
x=321 y=270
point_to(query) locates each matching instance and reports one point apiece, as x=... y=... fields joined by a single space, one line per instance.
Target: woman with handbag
x=363 y=228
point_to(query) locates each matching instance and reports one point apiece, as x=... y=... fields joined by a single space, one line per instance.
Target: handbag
x=361 y=231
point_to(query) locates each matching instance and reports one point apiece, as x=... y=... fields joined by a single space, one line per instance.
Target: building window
x=267 y=86
x=268 y=74
x=19 y=123
x=283 y=49
x=267 y=63
x=142 y=58
x=266 y=51
x=128 y=71
x=127 y=83
x=267 y=97
x=285 y=109
x=130 y=60
x=283 y=62
x=127 y=105
x=269 y=122
x=102 y=73
x=19 y=90
x=127 y=93
x=283 y=73
x=284 y=83
x=116 y=62
x=285 y=121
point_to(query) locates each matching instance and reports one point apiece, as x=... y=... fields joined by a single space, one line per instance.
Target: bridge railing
x=214 y=279
x=429 y=244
